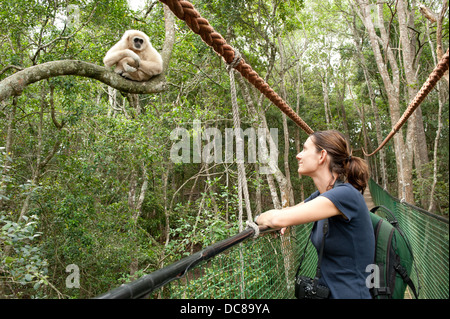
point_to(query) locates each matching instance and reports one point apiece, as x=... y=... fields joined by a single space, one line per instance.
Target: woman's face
x=308 y=158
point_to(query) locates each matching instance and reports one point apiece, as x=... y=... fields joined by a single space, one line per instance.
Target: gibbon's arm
x=112 y=57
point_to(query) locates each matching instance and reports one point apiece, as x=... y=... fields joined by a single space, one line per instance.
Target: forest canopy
x=121 y=178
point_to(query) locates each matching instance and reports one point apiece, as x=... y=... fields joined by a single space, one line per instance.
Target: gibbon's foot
x=128 y=68
x=128 y=77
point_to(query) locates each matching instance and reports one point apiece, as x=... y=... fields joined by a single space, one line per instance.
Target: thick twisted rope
x=185 y=11
x=431 y=82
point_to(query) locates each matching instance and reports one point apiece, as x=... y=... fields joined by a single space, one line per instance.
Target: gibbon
x=134 y=57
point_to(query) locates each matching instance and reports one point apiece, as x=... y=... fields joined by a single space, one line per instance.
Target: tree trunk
x=11 y=118
x=299 y=85
x=135 y=204
x=326 y=99
x=143 y=192
x=36 y=173
x=273 y=191
x=439 y=46
x=357 y=38
x=415 y=131
x=402 y=152
x=287 y=171
x=442 y=97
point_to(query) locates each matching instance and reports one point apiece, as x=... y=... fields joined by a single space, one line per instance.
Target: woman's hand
x=265 y=219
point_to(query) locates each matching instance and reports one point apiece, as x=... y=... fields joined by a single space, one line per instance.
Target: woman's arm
x=316 y=209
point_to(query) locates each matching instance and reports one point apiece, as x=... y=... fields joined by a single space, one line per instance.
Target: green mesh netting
x=265 y=267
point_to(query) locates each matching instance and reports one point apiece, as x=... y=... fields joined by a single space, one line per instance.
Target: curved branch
x=16 y=83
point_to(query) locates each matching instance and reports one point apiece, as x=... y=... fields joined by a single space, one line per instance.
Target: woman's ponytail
x=357 y=173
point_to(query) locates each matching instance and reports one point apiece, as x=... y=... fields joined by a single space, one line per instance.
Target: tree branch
x=16 y=83
x=169 y=25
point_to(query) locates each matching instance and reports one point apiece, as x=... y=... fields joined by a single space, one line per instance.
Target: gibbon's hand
x=134 y=56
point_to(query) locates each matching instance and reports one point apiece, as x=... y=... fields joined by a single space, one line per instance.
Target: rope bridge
x=255 y=268
x=263 y=268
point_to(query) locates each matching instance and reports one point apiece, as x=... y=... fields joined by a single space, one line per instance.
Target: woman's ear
x=323 y=156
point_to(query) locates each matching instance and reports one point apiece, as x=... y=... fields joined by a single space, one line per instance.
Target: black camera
x=307 y=288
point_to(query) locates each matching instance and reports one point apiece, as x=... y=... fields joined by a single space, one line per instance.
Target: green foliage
x=23 y=267
x=423 y=180
x=193 y=230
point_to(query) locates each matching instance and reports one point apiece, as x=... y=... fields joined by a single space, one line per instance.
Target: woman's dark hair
x=352 y=169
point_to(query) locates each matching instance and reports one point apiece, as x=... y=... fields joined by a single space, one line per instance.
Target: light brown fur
x=134 y=57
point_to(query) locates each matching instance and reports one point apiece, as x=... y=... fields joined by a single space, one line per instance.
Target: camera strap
x=319 y=261
x=325 y=230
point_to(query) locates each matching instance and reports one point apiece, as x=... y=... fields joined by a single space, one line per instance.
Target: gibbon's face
x=137 y=42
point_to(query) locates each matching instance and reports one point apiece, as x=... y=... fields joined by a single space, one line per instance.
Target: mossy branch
x=14 y=84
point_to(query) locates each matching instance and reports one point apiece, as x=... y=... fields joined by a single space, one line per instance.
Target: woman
x=349 y=242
